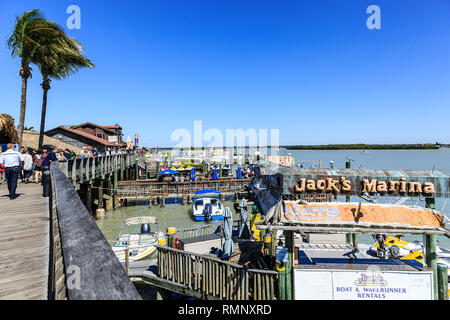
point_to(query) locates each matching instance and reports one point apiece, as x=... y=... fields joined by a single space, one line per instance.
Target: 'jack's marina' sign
x=409 y=183
x=370 y=186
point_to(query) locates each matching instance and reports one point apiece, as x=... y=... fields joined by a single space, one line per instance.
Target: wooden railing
x=151 y=188
x=81 y=170
x=58 y=289
x=83 y=265
x=188 y=233
x=214 y=278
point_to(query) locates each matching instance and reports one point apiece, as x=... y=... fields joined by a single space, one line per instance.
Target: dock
x=25 y=244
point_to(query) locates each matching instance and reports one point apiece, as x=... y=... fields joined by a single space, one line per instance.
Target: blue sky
x=311 y=69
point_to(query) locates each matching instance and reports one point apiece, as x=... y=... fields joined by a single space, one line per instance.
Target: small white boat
x=207 y=206
x=142 y=243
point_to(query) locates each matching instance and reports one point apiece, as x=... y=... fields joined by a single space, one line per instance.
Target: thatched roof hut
x=31 y=140
x=8 y=132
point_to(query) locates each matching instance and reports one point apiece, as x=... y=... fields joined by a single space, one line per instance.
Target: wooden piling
x=89 y=198
x=442 y=277
x=157 y=170
x=289 y=243
x=351 y=237
x=281 y=281
x=100 y=194
x=431 y=255
x=137 y=169
x=115 y=189
x=146 y=169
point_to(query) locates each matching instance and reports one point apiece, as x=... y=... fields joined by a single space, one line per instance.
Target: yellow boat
x=412 y=251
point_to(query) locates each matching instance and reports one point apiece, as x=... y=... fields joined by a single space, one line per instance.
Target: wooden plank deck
x=24 y=244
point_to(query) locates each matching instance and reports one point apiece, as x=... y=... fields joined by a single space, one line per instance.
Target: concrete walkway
x=24 y=244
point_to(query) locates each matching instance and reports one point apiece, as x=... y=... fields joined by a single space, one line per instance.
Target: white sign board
x=362 y=285
x=112 y=139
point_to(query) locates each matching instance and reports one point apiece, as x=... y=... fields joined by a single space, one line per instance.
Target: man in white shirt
x=13 y=163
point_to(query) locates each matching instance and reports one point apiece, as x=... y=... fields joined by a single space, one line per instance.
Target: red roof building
x=89 y=135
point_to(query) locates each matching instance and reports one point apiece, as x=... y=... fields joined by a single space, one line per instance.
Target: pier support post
x=281 y=281
x=122 y=168
x=350 y=236
x=115 y=188
x=442 y=281
x=146 y=169
x=89 y=198
x=289 y=238
x=332 y=167
x=157 y=170
x=430 y=247
x=137 y=169
x=100 y=194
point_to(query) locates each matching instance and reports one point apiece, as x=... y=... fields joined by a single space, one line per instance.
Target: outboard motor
x=237 y=208
x=207 y=212
x=382 y=251
x=145 y=228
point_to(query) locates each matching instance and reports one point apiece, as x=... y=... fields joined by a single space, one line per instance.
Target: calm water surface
x=178 y=216
x=173 y=215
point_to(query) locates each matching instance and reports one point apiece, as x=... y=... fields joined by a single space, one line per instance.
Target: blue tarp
x=215 y=176
x=239 y=173
x=168 y=171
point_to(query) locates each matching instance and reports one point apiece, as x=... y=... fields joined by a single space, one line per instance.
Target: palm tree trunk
x=23 y=106
x=45 y=86
x=25 y=73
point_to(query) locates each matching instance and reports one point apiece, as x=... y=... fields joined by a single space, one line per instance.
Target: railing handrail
x=87 y=255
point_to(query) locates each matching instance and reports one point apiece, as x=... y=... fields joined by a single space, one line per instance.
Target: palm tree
x=59 y=59
x=25 y=41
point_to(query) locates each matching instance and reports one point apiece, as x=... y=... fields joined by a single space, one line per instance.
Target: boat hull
x=141 y=255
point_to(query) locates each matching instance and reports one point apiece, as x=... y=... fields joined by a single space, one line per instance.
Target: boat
x=409 y=251
x=142 y=243
x=207 y=206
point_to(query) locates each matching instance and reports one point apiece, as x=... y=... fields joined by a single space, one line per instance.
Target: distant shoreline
x=364 y=147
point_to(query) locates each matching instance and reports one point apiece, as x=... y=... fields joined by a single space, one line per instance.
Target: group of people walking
x=22 y=166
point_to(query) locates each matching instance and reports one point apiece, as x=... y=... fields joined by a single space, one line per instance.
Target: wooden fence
x=189 y=233
x=81 y=170
x=214 y=278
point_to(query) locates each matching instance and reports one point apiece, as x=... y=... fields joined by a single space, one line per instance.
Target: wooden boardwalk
x=24 y=244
